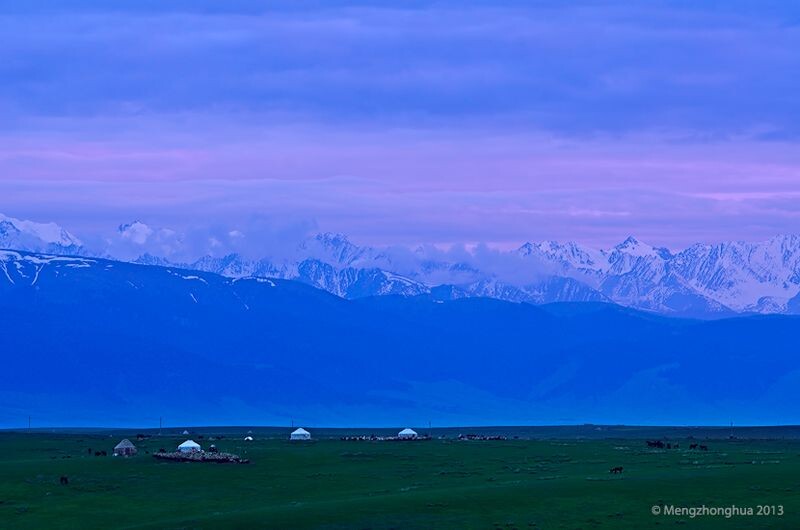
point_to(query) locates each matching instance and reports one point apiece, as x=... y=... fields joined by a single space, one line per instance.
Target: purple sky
x=437 y=122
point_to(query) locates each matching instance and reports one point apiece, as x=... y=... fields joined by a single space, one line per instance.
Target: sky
x=404 y=123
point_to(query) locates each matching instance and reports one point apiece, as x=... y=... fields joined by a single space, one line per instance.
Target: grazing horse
x=692 y=446
x=704 y=448
x=615 y=470
x=63 y=480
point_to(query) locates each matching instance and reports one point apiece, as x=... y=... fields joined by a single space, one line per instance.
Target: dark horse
x=615 y=470
x=63 y=480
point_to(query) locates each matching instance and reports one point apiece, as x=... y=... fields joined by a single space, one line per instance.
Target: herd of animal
x=482 y=437
x=658 y=444
x=668 y=445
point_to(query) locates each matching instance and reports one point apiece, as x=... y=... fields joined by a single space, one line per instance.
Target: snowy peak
x=332 y=247
x=36 y=237
x=567 y=255
x=631 y=241
x=634 y=247
x=760 y=277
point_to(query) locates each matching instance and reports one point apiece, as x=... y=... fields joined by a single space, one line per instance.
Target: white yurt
x=189 y=446
x=125 y=448
x=248 y=438
x=300 y=434
x=185 y=432
x=407 y=434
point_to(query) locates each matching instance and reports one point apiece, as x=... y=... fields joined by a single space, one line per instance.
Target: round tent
x=300 y=434
x=189 y=446
x=248 y=438
x=407 y=434
x=125 y=448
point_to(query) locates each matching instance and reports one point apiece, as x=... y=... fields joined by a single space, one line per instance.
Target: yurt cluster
x=406 y=435
x=189 y=450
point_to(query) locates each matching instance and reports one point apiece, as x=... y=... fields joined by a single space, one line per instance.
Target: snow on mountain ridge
x=33 y=235
x=716 y=278
x=567 y=255
x=741 y=274
x=333 y=247
x=759 y=277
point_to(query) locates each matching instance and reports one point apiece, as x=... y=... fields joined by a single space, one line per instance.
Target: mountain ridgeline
x=701 y=281
x=89 y=341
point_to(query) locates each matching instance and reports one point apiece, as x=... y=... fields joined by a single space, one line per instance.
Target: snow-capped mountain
x=344 y=281
x=704 y=280
x=760 y=277
x=37 y=237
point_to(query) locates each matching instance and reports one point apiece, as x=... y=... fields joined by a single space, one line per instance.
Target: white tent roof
x=301 y=431
x=189 y=444
x=185 y=432
x=248 y=438
x=408 y=432
x=125 y=444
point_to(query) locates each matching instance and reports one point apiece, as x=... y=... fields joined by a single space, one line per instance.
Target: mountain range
x=90 y=341
x=37 y=237
x=703 y=280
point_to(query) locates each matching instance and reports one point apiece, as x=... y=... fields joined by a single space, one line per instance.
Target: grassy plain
x=441 y=483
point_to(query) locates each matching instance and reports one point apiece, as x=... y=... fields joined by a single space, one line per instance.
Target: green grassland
x=441 y=483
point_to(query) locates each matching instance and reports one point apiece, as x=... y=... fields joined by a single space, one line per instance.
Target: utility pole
x=29 y=424
x=159 y=425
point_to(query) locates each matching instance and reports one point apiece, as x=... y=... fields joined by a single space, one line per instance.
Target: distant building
x=189 y=446
x=125 y=448
x=300 y=434
x=407 y=434
x=185 y=432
